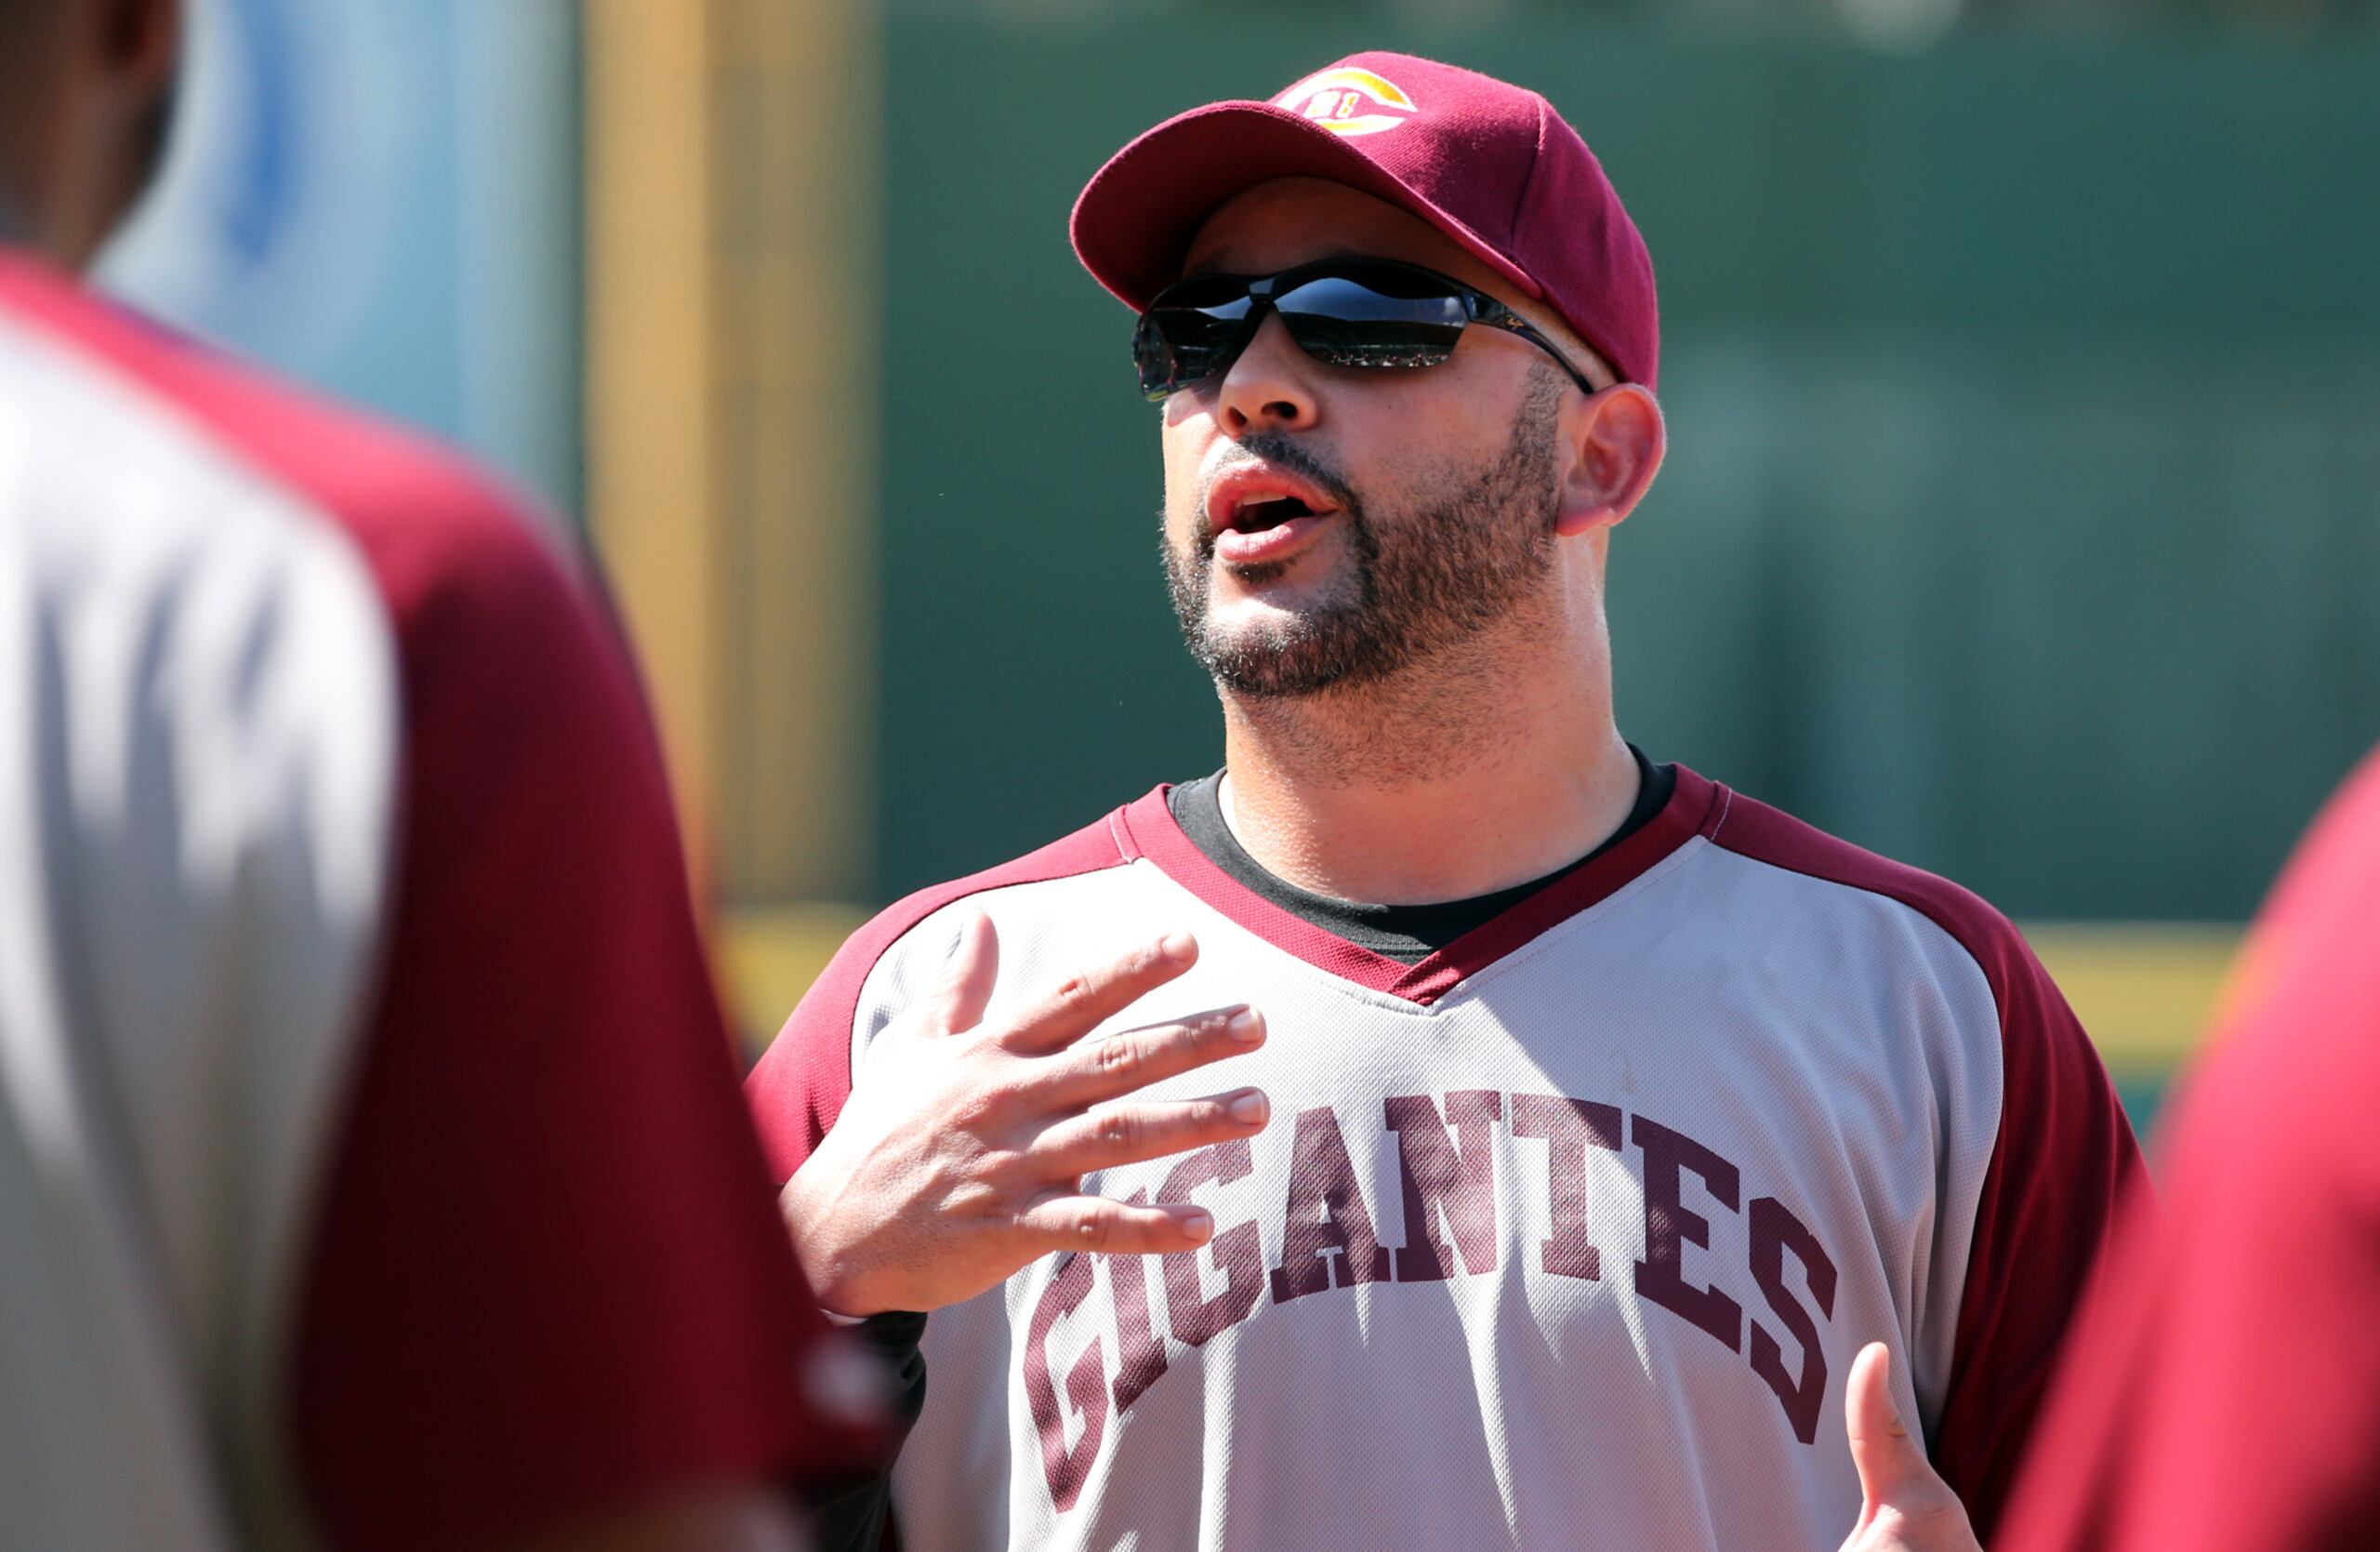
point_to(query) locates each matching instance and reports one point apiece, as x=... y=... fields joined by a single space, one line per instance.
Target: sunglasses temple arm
x=1586 y=386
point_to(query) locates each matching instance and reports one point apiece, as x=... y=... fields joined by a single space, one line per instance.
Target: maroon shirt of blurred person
x=370 y=1162
x=2223 y=1392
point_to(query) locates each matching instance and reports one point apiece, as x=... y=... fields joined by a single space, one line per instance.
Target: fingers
x=1892 y=1463
x=1132 y=1133
x=957 y=1003
x=1090 y=999
x=1099 y=1225
x=1132 y=1059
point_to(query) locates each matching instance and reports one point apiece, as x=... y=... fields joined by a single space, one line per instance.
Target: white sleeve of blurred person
x=207 y=817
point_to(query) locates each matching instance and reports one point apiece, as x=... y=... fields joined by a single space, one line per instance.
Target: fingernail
x=1247 y=1024
x=1177 y=946
x=1250 y=1107
x=1199 y=1225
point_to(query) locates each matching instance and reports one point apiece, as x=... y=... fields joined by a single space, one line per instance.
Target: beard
x=1455 y=559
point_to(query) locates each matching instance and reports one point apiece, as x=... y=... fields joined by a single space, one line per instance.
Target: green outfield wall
x=2022 y=515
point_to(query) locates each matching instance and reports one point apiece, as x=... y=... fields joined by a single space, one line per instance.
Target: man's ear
x=135 y=55
x=140 y=42
x=1616 y=439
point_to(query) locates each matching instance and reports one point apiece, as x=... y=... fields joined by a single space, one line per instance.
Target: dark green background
x=2022 y=515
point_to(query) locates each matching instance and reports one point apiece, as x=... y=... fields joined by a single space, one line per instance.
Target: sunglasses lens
x=1180 y=340
x=1346 y=322
x=1371 y=315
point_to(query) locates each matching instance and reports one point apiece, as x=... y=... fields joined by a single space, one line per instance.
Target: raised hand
x=960 y=1155
x=1905 y=1504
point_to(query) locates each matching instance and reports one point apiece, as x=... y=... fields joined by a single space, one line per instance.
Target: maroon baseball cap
x=1491 y=164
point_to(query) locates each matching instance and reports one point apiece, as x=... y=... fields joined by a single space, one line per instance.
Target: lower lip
x=1235 y=548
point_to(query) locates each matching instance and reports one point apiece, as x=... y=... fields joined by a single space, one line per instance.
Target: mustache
x=1282 y=452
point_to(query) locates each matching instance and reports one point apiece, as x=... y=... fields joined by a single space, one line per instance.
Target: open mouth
x=1258 y=516
x=1266 y=513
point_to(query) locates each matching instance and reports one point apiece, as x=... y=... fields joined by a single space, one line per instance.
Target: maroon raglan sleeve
x=2060 y=1168
x=2063 y=1165
x=547 y=1276
x=797 y=1087
x=2223 y=1394
x=799 y=1084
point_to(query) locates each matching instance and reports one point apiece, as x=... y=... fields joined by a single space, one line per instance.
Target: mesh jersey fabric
x=1565 y=1235
x=371 y=1165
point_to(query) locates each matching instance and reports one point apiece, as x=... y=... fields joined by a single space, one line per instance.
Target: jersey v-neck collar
x=1148 y=829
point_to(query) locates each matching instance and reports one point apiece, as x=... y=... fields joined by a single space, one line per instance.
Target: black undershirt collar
x=1406 y=934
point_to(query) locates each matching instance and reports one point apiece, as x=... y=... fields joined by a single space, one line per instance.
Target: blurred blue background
x=381 y=196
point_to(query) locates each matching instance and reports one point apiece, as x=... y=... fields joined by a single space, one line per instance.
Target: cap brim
x=1135 y=220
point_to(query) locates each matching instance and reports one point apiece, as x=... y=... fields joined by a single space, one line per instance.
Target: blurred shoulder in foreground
x=371 y=1165
x=2225 y=1390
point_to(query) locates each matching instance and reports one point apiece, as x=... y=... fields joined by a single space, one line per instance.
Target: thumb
x=1892 y=1463
x=958 y=1002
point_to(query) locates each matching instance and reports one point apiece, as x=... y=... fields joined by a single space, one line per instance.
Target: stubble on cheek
x=1463 y=550
x=1261 y=573
x=1286 y=647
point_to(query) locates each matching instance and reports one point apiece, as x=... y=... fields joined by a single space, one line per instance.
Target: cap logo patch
x=1349 y=101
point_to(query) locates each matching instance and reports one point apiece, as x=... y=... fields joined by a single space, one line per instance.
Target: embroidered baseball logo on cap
x=1349 y=102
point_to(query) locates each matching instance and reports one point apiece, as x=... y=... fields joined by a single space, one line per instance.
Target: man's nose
x=1269 y=388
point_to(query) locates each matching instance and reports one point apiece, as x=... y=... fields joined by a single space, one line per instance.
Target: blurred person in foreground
x=2223 y=1394
x=371 y=1170
x=1630 y=1133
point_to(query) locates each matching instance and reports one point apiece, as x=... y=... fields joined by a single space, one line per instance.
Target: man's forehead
x=1295 y=220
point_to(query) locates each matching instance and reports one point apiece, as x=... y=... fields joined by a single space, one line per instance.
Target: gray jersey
x=1565 y=1236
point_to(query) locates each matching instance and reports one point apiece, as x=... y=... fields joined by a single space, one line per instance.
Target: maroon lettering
x=1669 y=1225
x=1066 y=1469
x=1774 y=1231
x=1439 y=1176
x=1237 y=1252
x=1140 y=1351
x=1327 y=1214
x=1569 y=1127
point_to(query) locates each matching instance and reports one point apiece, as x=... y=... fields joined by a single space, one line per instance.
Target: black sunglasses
x=1371 y=313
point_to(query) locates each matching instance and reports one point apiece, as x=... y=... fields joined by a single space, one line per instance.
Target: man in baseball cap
x=1627 y=1132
